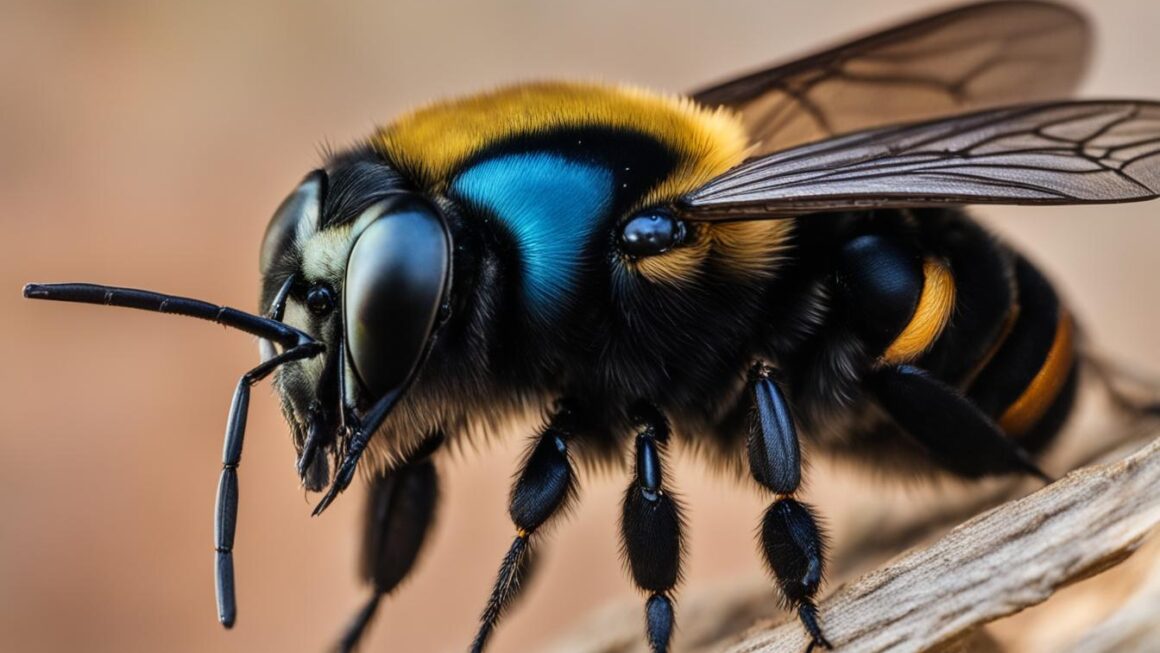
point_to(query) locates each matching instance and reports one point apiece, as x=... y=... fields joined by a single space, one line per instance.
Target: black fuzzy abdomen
x=1027 y=385
x=1010 y=345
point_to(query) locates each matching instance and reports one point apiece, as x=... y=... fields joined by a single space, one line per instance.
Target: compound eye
x=395 y=280
x=295 y=218
x=650 y=233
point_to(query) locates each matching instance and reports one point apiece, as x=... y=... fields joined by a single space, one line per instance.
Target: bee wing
x=1058 y=153
x=974 y=57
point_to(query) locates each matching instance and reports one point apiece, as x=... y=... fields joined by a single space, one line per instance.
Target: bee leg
x=650 y=529
x=226 y=508
x=546 y=482
x=793 y=545
x=953 y=430
x=399 y=512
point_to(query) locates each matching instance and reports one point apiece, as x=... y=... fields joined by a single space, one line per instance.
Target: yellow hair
x=432 y=143
x=935 y=306
x=1026 y=411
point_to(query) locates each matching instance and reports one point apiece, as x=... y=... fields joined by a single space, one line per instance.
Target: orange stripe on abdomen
x=935 y=305
x=1026 y=411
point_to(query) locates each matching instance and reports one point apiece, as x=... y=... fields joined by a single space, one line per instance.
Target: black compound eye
x=395 y=280
x=295 y=217
x=650 y=233
x=320 y=300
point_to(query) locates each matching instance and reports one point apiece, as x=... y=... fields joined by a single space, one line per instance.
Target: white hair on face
x=324 y=254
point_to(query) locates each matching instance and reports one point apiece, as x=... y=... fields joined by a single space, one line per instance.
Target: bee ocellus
x=778 y=262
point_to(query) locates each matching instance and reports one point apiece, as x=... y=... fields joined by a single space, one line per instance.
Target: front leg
x=399 y=513
x=546 y=482
x=793 y=545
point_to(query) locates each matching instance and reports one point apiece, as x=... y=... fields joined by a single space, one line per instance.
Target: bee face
x=369 y=287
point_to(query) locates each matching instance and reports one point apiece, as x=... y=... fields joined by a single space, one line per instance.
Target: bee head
x=367 y=274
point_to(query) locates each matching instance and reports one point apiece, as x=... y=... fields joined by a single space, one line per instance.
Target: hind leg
x=792 y=542
x=956 y=434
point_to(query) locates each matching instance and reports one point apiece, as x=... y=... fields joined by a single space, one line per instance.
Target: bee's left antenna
x=147 y=300
x=297 y=345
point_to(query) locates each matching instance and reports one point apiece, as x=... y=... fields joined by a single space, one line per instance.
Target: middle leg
x=651 y=530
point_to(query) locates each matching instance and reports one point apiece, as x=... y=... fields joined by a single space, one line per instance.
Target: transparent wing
x=1058 y=153
x=974 y=57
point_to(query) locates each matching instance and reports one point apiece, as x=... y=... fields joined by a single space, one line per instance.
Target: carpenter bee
x=773 y=262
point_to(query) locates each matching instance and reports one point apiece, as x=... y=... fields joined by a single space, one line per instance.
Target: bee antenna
x=146 y=300
x=297 y=346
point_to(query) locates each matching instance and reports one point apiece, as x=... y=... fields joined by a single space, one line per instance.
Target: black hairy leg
x=952 y=429
x=792 y=542
x=650 y=529
x=399 y=512
x=545 y=484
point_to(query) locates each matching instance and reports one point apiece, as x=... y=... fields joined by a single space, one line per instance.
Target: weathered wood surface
x=1009 y=558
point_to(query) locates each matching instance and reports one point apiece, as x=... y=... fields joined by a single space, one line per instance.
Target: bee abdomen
x=975 y=314
x=882 y=283
x=1028 y=383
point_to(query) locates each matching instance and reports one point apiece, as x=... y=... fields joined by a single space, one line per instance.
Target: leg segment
x=545 y=483
x=400 y=510
x=651 y=531
x=958 y=435
x=793 y=544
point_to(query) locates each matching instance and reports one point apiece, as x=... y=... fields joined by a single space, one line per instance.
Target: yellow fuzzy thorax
x=433 y=142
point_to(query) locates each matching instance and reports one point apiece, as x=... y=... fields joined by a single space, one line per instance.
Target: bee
x=777 y=262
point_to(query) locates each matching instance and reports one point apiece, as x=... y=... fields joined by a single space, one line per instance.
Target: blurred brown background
x=146 y=143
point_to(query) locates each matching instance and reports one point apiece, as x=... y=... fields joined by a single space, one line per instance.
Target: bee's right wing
x=973 y=57
x=1057 y=153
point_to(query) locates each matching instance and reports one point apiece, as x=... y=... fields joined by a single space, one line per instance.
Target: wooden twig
x=1007 y=559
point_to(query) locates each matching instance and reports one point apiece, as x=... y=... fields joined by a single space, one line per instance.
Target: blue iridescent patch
x=551 y=205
